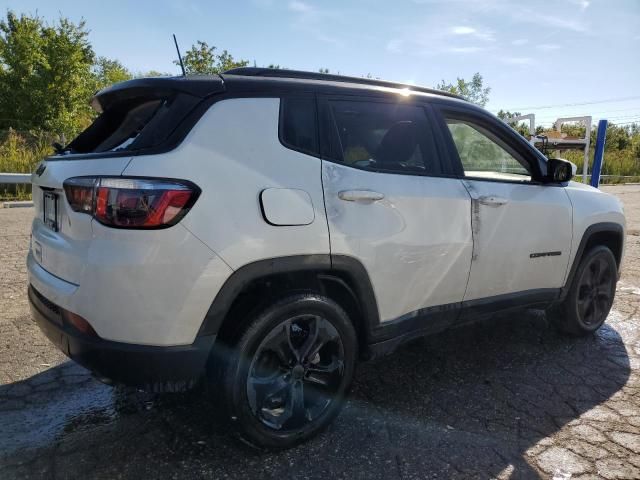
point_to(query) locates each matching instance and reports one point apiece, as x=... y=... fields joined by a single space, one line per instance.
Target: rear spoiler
x=200 y=86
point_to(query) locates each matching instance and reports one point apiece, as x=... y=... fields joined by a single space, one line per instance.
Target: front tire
x=287 y=374
x=590 y=296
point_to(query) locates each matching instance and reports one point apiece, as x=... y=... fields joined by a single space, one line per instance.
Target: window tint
x=298 y=128
x=384 y=136
x=484 y=155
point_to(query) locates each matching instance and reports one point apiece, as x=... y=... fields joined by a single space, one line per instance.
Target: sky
x=553 y=58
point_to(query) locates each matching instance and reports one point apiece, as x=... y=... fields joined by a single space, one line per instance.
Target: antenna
x=184 y=74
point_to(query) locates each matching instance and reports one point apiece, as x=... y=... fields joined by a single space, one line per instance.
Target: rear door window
x=298 y=124
x=381 y=136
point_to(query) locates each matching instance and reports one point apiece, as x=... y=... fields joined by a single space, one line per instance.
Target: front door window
x=483 y=155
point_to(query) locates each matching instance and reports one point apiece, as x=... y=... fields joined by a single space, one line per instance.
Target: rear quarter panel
x=233 y=154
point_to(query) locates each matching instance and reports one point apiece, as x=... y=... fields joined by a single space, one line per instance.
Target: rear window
x=133 y=124
x=298 y=124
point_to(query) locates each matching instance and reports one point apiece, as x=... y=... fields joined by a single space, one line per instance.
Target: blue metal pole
x=598 y=154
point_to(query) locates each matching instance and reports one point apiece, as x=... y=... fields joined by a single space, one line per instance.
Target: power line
x=596 y=114
x=610 y=100
x=612 y=117
x=627 y=123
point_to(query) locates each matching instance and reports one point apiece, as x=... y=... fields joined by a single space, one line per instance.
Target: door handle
x=365 y=196
x=492 y=200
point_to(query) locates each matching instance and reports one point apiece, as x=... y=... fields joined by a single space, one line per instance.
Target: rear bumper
x=155 y=368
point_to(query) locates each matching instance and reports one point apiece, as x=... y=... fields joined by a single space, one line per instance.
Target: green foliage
x=46 y=77
x=153 y=73
x=622 y=150
x=203 y=60
x=20 y=152
x=108 y=72
x=521 y=127
x=474 y=91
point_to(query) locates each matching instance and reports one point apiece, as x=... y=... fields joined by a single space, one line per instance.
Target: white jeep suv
x=263 y=230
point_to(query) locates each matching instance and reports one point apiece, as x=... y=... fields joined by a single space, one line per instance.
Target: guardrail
x=15 y=178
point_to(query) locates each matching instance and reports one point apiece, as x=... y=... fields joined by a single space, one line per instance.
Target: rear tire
x=287 y=373
x=590 y=296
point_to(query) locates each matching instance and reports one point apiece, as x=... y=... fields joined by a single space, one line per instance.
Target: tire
x=590 y=296
x=289 y=370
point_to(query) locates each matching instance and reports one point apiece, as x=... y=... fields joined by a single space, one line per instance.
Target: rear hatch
x=139 y=117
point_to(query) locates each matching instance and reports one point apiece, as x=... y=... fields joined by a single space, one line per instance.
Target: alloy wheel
x=595 y=292
x=295 y=372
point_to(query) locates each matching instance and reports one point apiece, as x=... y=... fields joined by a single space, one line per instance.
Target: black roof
x=247 y=79
x=329 y=77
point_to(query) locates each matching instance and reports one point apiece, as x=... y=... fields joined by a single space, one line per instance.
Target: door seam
x=474 y=206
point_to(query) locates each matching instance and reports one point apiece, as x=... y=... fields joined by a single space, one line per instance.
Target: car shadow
x=468 y=402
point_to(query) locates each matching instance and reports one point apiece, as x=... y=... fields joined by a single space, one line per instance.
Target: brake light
x=79 y=193
x=131 y=202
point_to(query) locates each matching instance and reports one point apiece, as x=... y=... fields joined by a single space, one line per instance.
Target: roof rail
x=284 y=73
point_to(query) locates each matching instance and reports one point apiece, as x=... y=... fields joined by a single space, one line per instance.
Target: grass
x=20 y=152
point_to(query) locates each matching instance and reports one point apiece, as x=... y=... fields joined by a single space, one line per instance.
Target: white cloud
x=313 y=21
x=301 y=7
x=431 y=37
x=465 y=49
x=517 y=60
x=472 y=32
x=519 y=42
x=547 y=47
x=461 y=30
x=527 y=15
x=583 y=4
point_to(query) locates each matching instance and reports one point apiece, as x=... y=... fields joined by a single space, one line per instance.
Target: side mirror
x=560 y=170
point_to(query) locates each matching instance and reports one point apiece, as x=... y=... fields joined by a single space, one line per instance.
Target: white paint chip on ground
x=626 y=288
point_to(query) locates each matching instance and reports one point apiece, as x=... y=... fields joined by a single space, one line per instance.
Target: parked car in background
x=263 y=230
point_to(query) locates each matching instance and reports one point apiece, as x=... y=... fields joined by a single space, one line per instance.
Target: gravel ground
x=509 y=399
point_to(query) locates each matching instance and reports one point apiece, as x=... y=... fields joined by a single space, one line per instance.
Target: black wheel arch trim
x=347 y=271
x=606 y=227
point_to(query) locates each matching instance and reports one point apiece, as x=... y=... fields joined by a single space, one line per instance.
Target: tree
x=474 y=91
x=153 y=73
x=521 y=127
x=108 y=72
x=45 y=74
x=202 y=59
x=506 y=114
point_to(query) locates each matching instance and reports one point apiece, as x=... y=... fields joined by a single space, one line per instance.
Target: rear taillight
x=131 y=202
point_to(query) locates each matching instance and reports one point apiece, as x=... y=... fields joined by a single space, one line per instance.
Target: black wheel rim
x=296 y=372
x=595 y=292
